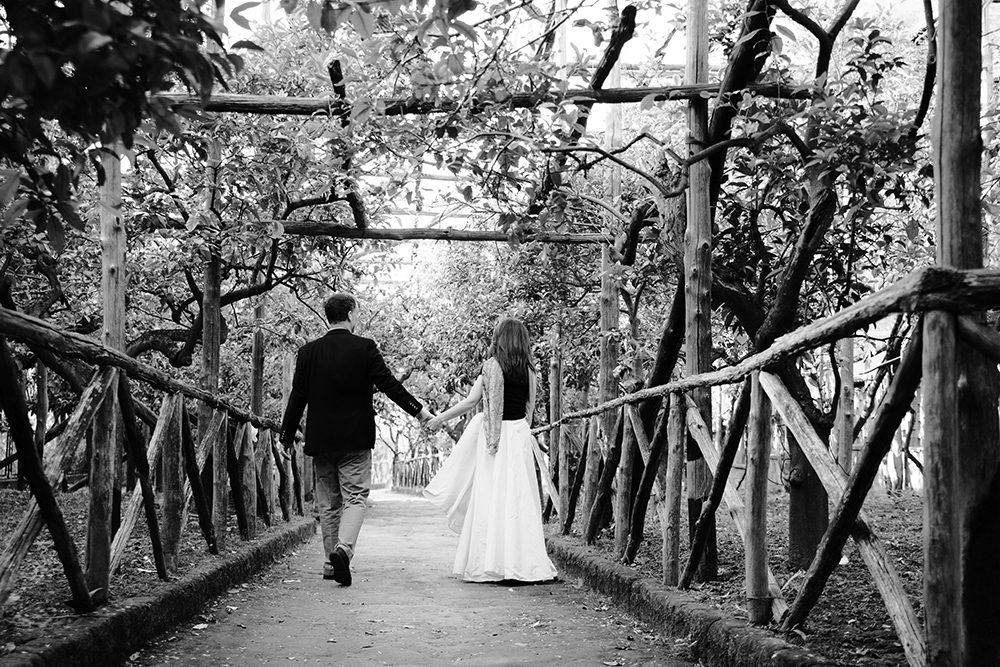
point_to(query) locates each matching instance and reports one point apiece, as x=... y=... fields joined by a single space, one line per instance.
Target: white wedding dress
x=492 y=501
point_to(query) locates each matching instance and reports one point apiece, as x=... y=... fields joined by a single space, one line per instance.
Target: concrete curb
x=109 y=639
x=717 y=640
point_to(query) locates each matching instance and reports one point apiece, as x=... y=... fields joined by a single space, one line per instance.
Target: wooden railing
x=414 y=474
x=245 y=472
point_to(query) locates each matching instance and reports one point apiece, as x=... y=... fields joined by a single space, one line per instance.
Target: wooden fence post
x=15 y=407
x=758 y=463
x=41 y=405
x=623 y=489
x=264 y=460
x=961 y=458
x=144 y=495
x=843 y=426
x=676 y=441
x=558 y=442
x=192 y=466
x=591 y=465
x=607 y=382
x=168 y=433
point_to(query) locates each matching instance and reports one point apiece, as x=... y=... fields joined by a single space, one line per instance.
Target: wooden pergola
x=962 y=466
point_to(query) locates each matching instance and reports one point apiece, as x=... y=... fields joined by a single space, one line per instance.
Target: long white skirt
x=493 y=503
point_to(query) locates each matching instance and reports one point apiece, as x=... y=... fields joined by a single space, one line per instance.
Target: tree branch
x=930 y=70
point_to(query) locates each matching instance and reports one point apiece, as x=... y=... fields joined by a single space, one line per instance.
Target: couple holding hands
x=487 y=487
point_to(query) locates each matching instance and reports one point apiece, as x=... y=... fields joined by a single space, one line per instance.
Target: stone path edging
x=102 y=640
x=718 y=640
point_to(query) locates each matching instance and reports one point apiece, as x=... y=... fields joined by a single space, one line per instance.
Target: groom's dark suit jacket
x=335 y=376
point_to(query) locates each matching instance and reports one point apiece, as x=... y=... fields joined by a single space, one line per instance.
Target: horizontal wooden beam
x=34 y=331
x=931 y=288
x=331 y=230
x=267 y=105
x=437 y=234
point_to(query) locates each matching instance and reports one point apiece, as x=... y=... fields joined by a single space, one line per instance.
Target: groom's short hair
x=338 y=307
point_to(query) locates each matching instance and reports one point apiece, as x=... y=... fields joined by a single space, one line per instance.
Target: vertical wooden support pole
x=676 y=441
x=623 y=489
x=264 y=459
x=103 y=458
x=211 y=337
x=607 y=382
x=41 y=405
x=758 y=461
x=843 y=426
x=698 y=268
x=247 y=459
x=589 y=489
x=558 y=456
x=961 y=458
x=174 y=513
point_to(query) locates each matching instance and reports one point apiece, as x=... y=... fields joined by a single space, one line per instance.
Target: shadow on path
x=406 y=608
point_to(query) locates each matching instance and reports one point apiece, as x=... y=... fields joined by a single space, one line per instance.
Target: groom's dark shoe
x=341 y=563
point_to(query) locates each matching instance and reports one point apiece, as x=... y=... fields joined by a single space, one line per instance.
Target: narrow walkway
x=405 y=608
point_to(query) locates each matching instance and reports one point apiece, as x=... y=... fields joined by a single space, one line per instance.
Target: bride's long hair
x=511 y=347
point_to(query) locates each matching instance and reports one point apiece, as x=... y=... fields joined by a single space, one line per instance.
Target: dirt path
x=405 y=608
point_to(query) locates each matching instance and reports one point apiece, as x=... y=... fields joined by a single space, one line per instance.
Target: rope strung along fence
x=931 y=288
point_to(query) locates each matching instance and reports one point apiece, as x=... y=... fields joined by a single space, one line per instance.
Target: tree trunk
x=808 y=512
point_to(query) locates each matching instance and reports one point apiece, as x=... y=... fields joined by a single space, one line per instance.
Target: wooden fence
x=762 y=390
x=414 y=474
x=250 y=475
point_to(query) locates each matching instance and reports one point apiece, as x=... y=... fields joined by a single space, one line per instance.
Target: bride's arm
x=460 y=408
x=529 y=412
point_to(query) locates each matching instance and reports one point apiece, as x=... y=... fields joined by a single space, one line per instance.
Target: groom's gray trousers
x=342 y=483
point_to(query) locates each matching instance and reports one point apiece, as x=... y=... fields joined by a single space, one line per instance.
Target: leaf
x=240 y=21
x=91 y=40
x=13 y=212
x=237 y=14
x=467 y=30
x=8 y=185
x=246 y=44
x=785 y=32
x=56 y=233
x=314 y=14
x=69 y=214
x=647 y=102
x=364 y=23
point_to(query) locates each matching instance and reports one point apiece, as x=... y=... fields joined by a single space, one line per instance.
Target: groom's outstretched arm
x=387 y=383
x=297 y=398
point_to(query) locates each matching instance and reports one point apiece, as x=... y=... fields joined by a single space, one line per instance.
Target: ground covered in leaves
x=850 y=623
x=38 y=605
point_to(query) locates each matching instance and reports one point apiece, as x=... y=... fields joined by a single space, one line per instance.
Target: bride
x=487 y=487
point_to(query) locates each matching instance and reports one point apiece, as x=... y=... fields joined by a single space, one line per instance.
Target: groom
x=335 y=376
